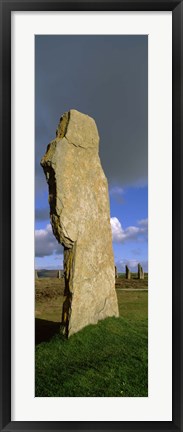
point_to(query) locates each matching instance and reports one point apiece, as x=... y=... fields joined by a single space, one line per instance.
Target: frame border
x=6 y=7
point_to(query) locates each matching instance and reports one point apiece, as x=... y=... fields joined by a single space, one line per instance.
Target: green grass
x=107 y=359
x=133 y=275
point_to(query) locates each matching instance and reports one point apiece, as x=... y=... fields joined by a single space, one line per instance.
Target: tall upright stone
x=128 y=273
x=36 y=274
x=80 y=218
x=140 y=272
x=59 y=274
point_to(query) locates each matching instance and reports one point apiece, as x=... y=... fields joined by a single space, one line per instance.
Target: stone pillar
x=128 y=273
x=116 y=272
x=80 y=219
x=59 y=274
x=36 y=275
x=140 y=272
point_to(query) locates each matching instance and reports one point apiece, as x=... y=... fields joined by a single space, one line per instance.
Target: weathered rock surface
x=80 y=218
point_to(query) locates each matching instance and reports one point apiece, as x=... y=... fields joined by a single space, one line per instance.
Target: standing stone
x=36 y=274
x=80 y=218
x=140 y=272
x=116 y=272
x=128 y=273
x=59 y=274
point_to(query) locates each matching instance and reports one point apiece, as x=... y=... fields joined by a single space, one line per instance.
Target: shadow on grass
x=45 y=330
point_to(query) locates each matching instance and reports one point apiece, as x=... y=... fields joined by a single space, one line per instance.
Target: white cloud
x=45 y=242
x=137 y=233
x=117 y=230
x=143 y=222
x=116 y=190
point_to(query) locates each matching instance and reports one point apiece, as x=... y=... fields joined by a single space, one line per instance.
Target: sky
x=105 y=77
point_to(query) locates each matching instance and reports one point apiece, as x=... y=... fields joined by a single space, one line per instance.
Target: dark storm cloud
x=42 y=214
x=105 y=77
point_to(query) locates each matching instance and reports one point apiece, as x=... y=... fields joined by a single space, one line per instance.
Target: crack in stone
x=103 y=306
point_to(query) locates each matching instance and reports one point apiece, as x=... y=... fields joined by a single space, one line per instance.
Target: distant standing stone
x=36 y=275
x=80 y=218
x=59 y=274
x=140 y=272
x=128 y=273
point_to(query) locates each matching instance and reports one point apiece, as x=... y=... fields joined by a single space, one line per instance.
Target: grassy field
x=107 y=359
